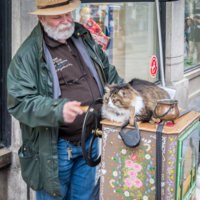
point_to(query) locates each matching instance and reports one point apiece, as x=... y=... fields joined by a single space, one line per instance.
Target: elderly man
x=58 y=68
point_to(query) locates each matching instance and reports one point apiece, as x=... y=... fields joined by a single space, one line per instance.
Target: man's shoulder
x=80 y=29
x=79 y=26
x=31 y=45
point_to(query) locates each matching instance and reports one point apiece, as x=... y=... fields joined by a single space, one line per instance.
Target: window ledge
x=5 y=157
x=192 y=74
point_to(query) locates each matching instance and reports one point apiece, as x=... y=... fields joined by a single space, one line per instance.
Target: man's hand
x=70 y=111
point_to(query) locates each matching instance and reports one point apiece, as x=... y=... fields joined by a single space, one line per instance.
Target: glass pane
x=192 y=33
x=189 y=151
x=127 y=33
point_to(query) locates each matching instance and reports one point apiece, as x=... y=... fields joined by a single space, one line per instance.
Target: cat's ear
x=129 y=86
x=107 y=88
x=122 y=93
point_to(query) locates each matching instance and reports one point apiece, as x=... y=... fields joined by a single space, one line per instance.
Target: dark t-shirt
x=70 y=66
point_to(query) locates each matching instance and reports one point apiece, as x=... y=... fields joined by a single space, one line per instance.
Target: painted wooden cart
x=129 y=173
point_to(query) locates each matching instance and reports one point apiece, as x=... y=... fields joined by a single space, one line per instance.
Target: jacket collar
x=80 y=31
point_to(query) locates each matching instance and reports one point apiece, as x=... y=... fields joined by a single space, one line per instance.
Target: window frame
x=113 y=1
x=5 y=58
x=192 y=68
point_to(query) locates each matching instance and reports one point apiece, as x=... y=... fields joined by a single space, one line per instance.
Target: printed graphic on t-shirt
x=61 y=64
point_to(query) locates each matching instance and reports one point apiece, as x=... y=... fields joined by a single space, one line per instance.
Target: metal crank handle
x=83 y=108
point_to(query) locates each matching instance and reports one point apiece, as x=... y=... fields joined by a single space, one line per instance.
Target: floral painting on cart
x=130 y=173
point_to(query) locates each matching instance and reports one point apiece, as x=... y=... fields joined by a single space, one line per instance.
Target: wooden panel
x=180 y=124
x=193 y=172
x=186 y=185
x=179 y=192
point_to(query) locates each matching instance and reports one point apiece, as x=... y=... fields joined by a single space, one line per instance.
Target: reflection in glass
x=189 y=151
x=192 y=33
x=127 y=32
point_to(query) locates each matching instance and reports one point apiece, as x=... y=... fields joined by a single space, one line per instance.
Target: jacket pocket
x=30 y=167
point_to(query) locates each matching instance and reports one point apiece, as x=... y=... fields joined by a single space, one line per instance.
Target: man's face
x=85 y=14
x=58 y=27
x=188 y=22
x=195 y=20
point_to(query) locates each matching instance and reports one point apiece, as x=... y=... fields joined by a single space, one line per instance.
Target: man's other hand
x=70 y=111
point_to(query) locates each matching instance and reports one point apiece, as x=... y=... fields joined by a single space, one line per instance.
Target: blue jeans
x=77 y=179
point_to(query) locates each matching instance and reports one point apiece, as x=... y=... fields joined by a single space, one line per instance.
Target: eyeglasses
x=74 y=81
x=78 y=61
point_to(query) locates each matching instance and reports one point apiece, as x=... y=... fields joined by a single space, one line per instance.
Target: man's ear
x=41 y=19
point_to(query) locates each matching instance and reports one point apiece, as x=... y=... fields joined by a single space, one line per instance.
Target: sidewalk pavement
x=195 y=105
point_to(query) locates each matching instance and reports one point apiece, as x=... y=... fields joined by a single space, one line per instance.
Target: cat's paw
x=154 y=121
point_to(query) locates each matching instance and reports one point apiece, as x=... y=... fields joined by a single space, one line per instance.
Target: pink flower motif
x=137 y=183
x=134 y=157
x=128 y=182
x=129 y=164
x=137 y=167
x=132 y=174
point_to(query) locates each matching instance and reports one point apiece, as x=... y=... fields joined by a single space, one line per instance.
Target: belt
x=76 y=143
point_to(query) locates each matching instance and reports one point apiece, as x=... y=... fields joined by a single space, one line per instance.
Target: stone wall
x=22 y=25
x=175 y=51
x=194 y=83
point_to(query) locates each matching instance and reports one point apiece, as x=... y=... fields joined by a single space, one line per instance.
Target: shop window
x=127 y=32
x=192 y=34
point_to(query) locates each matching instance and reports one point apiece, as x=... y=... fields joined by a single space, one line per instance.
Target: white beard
x=56 y=33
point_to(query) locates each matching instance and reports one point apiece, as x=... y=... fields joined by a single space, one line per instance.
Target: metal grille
x=5 y=58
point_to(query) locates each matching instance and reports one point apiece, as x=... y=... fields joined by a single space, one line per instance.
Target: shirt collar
x=50 y=41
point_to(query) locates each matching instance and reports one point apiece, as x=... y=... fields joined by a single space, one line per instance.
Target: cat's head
x=119 y=96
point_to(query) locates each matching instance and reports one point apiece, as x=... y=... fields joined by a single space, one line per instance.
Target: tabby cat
x=138 y=93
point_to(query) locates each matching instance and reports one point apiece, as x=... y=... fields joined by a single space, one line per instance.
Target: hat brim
x=73 y=5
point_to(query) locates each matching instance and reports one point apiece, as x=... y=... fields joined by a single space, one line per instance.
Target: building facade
x=133 y=40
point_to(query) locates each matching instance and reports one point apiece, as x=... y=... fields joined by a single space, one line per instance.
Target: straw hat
x=55 y=7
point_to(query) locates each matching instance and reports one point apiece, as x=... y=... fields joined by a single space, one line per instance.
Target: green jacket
x=30 y=100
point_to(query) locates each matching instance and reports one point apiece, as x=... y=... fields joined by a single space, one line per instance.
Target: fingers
x=70 y=111
x=71 y=114
x=76 y=110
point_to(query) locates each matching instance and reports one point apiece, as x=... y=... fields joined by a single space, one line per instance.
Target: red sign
x=100 y=39
x=153 y=66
